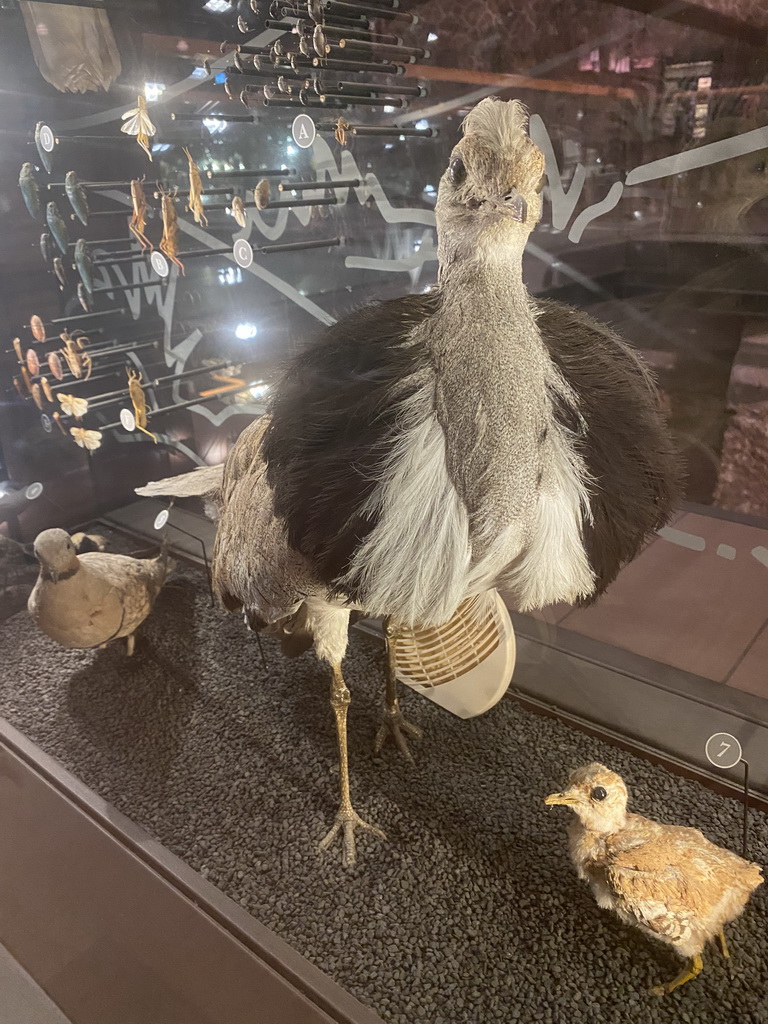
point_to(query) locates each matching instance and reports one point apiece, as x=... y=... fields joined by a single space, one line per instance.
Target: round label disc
x=303 y=131
x=36 y=489
x=159 y=264
x=243 y=253
x=46 y=423
x=161 y=519
x=47 y=138
x=127 y=419
x=723 y=750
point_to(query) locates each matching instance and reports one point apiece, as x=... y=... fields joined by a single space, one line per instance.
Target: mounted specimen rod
x=394 y=52
x=101 y=400
x=326 y=20
x=151 y=413
x=300 y=186
x=184 y=194
x=368 y=129
x=79 y=317
x=389 y=14
x=271 y=172
x=94 y=186
x=302 y=103
x=317 y=243
x=119 y=212
x=357 y=67
x=286 y=204
x=102 y=241
x=369 y=87
x=212 y=117
x=129 y=256
x=363 y=101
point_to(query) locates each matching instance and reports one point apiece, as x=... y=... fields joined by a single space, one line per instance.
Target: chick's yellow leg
x=723 y=944
x=394 y=725
x=694 y=967
x=347 y=819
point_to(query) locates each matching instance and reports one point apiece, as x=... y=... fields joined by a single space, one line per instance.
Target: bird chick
x=670 y=882
x=83 y=601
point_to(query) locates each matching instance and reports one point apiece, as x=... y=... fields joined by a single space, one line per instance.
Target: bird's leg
x=347 y=818
x=723 y=944
x=131 y=643
x=687 y=974
x=393 y=723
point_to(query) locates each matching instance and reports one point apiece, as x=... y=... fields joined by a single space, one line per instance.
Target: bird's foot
x=347 y=822
x=690 y=972
x=723 y=944
x=396 y=727
x=130 y=644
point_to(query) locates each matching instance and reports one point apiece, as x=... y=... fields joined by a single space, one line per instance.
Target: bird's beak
x=512 y=205
x=567 y=798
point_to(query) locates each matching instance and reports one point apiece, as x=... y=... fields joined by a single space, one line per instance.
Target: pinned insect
x=261 y=194
x=59 y=424
x=139 y=217
x=60 y=271
x=37 y=396
x=169 y=243
x=238 y=211
x=33 y=363
x=30 y=190
x=139 y=402
x=47 y=248
x=54 y=365
x=46 y=389
x=18 y=349
x=83 y=297
x=84 y=264
x=88 y=439
x=79 y=362
x=27 y=379
x=45 y=156
x=137 y=123
x=342 y=128
x=37 y=327
x=77 y=196
x=74 y=406
x=195 y=201
x=57 y=226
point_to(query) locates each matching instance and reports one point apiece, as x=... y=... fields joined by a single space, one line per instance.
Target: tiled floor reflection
x=696 y=599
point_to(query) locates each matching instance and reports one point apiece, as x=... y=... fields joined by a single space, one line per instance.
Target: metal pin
x=288 y=203
x=318 y=243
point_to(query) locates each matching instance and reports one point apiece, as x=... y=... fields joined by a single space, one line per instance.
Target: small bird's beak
x=561 y=798
x=512 y=205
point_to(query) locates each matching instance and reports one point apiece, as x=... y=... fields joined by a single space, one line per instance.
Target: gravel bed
x=471 y=912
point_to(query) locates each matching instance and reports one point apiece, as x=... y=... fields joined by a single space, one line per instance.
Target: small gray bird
x=83 y=601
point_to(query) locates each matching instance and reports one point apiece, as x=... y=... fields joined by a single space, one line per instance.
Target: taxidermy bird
x=670 y=882
x=87 y=600
x=431 y=448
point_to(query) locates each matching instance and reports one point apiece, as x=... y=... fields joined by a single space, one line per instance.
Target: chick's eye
x=457 y=171
x=598 y=793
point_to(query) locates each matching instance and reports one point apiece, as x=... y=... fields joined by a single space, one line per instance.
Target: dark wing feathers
x=635 y=470
x=336 y=411
x=331 y=420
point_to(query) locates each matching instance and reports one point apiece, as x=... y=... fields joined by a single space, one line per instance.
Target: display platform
x=470 y=911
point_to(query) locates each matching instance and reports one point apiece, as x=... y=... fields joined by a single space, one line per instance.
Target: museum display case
x=192 y=195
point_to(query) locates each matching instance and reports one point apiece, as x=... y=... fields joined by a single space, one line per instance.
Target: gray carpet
x=471 y=911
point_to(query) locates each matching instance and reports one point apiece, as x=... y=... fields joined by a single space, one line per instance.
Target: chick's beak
x=512 y=205
x=569 y=799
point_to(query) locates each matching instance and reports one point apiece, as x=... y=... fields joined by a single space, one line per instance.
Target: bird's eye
x=598 y=793
x=457 y=171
